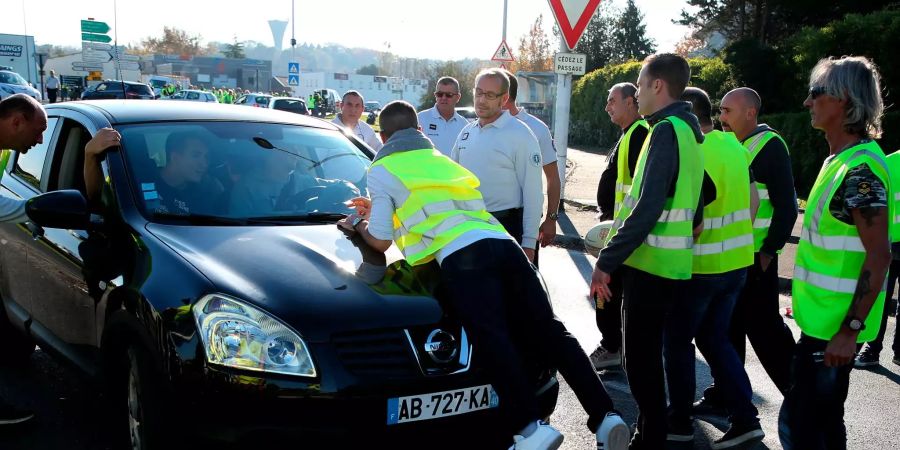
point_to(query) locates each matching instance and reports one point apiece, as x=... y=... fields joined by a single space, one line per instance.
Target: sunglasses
x=816 y=91
x=440 y=94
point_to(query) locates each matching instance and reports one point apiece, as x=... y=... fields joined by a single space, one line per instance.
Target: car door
x=22 y=179
x=62 y=304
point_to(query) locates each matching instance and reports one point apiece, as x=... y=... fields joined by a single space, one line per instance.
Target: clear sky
x=437 y=29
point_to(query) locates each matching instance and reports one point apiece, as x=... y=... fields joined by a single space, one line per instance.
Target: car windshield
x=262 y=100
x=158 y=83
x=12 y=78
x=141 y=89
x=227 y=173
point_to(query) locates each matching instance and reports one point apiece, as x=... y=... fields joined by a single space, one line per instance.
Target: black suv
x=209 y=290
x=117 y=89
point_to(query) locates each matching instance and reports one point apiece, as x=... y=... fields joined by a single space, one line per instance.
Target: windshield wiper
x=202 y=219
x=314 y=217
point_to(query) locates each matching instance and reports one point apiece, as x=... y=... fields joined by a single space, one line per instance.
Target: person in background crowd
x=441 y=123
x=351 y=111
x=52 y=86
x=615 y=184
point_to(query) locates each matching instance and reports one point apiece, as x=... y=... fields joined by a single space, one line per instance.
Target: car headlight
x=241 y=336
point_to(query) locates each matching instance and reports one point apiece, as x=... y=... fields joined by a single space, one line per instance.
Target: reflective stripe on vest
x=726 y=242
x=666 y=251
x=765 y=212
x=893 y=162
x=830 y=255
x=624 y=179
x=443 y=203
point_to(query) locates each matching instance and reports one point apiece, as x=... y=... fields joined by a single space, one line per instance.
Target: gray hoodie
x=660 y=175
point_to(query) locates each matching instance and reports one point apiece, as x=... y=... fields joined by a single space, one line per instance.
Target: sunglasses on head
x=816 y=91
x=440 y=94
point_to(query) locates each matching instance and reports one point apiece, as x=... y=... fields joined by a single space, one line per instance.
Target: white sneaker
x=613 y=433
x=544 y=437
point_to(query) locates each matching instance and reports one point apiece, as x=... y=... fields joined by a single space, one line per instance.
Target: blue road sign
x=293 y=80
x=293 y=68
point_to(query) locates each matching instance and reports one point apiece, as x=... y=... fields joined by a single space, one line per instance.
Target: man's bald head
x=22 y=123
x=739 y=110
x=747 y=95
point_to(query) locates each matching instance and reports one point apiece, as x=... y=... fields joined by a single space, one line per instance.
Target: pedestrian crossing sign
x=293 y=68
x=293 y=80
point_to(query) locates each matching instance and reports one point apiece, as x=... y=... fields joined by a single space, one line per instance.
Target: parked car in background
x=240 y=312
x=13 y=83
x=255 y=100
x=118 y=89
x=372 y=106
x=468 y=112
x=289 y=104
x=195 y=96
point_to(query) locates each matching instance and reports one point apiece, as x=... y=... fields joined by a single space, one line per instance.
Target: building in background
x=209 y=71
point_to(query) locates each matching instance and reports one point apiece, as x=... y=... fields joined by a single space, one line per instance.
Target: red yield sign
x=573 y=17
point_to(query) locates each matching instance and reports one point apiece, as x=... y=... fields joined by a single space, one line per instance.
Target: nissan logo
x=441 y=346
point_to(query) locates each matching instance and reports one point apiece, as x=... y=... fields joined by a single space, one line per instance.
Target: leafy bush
x=808 y=146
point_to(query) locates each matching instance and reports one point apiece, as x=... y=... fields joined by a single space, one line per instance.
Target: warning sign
x=503 y=53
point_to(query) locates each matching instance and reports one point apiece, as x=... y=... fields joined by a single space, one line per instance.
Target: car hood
x=312 y=277
x=19 y=89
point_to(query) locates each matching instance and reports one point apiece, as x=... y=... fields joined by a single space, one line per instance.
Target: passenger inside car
x=182 y=186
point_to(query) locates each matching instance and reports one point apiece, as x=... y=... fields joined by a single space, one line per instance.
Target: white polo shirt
x=441 y=132
x=363 y=131
x=506 y=158
x=542 y=133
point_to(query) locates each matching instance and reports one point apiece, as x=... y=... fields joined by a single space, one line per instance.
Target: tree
x=689 y=45
x=370 y=69
x=767 y=20
x=534 y=49
x=234 y=50
x=596 y=42
x=174 y=42
x=630 y=39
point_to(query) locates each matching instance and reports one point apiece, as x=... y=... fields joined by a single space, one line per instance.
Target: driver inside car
x=181 y=187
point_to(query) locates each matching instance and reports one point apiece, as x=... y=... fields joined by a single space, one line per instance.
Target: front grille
x=376 y=353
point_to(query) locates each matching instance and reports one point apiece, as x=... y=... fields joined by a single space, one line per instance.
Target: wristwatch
x=356 y=220
x=553 y=216
x=855 y=324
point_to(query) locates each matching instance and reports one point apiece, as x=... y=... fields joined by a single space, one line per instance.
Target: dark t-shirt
x=193 y=198
x=860 y=189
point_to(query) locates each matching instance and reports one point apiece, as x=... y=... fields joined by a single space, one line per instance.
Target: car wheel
x=17 y=346
x=145 y=429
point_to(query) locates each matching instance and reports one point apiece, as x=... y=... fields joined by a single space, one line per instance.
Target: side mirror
x=66 y=209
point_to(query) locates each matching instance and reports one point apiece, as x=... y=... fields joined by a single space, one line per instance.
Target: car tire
x=17 y=346
x=143 y=402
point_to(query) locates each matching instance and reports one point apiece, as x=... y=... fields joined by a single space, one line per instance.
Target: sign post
x=573 y=17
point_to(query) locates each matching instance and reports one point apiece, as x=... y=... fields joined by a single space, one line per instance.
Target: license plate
x=440 y=404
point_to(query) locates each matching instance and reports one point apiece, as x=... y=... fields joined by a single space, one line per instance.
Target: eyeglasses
x=440 y=94
x=816 y=91
x=488 y=95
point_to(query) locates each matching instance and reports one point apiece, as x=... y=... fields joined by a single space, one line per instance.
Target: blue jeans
x=703 y=314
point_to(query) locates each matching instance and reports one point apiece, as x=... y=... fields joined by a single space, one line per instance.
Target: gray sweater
x=660 y=175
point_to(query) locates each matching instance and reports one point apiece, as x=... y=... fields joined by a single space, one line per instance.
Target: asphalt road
x=70 y=412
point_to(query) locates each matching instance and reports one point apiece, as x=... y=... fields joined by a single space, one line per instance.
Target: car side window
x=193 y=96
x=30 y=166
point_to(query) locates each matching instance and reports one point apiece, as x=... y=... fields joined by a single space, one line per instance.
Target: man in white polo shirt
x=505 y=156
x=351 y=110
x=441 y=123
x=548 y=155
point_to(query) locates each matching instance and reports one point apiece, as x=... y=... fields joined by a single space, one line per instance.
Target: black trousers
x=878 y=344
x=646 y=303
x=812 y=415
x=51 y=95
x=757 y=317
x=493 y=289
x=511 y=219
x=609 y=319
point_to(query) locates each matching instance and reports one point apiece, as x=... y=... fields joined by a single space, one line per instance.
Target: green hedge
x=589 y=124
x=809 y=148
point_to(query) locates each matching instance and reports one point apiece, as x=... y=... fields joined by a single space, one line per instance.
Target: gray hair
x=498 y=74
x=449 y=81
x=856 y=80
x=626 y=90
